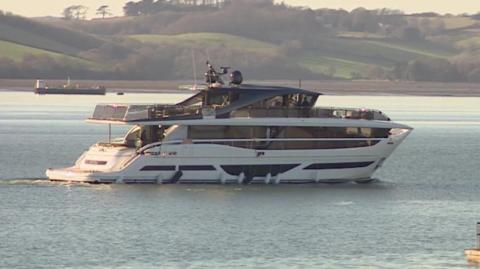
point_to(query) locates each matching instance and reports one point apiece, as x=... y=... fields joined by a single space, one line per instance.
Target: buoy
x=473 y=254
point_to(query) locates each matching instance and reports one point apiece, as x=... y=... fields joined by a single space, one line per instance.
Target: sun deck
x=131 y=113
x=245 y=101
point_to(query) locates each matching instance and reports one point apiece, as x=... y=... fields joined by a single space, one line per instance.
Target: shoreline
x=327 y=87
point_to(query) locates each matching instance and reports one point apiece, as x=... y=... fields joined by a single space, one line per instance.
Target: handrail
x=199 y=141
x=314 y=112
x=284 y=139
x=140 y=112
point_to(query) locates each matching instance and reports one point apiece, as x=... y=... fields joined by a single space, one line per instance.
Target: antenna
x=194 y=71
x=208 y=55
x=213 y=77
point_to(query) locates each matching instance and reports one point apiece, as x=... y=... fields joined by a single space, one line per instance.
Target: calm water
x=421 y=214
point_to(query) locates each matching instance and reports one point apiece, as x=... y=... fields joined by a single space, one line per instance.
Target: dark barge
x=42 y=88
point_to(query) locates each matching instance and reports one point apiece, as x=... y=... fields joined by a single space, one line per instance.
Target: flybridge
x=132 y=113
x=233 y=101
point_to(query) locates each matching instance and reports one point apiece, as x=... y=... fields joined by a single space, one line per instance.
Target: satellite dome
x=236 y=77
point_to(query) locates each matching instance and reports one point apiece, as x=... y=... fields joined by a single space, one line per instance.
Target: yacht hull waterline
x=238 y=134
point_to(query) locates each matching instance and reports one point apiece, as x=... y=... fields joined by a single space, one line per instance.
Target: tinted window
x=290 y=132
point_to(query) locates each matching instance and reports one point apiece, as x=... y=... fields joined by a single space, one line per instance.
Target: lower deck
x=190 y=162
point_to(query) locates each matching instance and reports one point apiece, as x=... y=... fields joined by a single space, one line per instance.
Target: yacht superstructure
x=238 y=134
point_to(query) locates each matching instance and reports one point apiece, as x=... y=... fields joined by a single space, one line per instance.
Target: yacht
x=238 y=134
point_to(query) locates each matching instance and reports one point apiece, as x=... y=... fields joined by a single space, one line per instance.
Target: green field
x=205 y=40
x=361 y=35
x=340 y=68
x=347 y=56
x=21 y=36
x=471 y=41
x=458 y=22
x=16 y=52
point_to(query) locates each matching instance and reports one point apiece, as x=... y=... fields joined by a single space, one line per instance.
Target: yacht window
x=196 y=100
x=151 y=134
x=140 y=136
x=234 y=97
x=288 y=132
x=206 y=132
x=218 y=99
x=274 y=102
x=132 y=136
x=175 y=132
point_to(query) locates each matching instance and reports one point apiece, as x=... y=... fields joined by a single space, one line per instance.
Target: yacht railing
x=232 y=142
x=132 y=113
x=316 y=112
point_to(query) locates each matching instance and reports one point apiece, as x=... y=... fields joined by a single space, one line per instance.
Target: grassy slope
x=17 y=40
x=356 y=55
x=458 y=22
x=204 y=40
x=32 y=33
x=16 y=52
x=470 y=42
x=18 y=35
x=343 y=68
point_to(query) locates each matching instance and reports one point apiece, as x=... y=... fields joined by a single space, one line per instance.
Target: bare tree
x=104 y=11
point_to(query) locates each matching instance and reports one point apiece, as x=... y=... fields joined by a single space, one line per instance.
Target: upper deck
x=232 y=102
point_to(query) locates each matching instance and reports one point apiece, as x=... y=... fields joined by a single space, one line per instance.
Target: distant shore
x=324 y=86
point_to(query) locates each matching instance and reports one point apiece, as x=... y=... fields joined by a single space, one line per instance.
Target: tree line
x=145 y=7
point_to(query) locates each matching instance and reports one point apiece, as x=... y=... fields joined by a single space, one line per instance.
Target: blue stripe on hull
x=326 y=166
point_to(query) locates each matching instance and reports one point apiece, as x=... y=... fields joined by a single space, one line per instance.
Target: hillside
x=266 y=41
x=340 y=55
x=17 y=52
x=209 y=40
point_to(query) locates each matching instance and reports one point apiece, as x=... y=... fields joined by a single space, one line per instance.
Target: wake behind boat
x=238 y=134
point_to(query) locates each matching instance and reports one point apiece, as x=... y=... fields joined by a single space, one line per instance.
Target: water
x=421 y=213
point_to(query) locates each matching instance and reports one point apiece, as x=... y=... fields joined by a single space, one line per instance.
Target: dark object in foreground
x=42 y=88
x=473 y=254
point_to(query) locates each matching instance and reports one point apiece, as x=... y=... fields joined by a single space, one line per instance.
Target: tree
x=75 y=12
x=104 y=11
x=68 y=13
x=411 y=34
x=131 y=9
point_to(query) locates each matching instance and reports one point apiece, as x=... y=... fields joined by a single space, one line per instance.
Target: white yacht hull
x=222 y=164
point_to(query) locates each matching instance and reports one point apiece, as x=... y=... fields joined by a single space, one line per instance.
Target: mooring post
x=477 y=246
